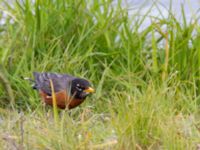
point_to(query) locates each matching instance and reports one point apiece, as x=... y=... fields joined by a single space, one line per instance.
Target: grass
x=146 y=82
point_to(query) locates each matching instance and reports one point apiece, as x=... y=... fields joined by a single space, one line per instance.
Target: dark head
x=81 y=88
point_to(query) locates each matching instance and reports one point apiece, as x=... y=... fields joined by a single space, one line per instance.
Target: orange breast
x=62 y=100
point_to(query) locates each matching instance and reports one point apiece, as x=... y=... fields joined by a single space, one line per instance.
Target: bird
x=69 y=91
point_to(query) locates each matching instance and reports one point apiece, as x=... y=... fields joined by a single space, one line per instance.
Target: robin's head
x=81 y=88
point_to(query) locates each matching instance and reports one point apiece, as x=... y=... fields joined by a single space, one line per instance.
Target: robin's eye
x=79 y=88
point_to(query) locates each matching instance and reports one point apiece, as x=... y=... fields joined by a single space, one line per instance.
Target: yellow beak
x=89 y=90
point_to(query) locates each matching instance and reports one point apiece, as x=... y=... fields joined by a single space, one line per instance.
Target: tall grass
x=147 y=82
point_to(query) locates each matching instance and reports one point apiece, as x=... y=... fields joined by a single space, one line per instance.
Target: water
x=160 y=9
x=191 y=8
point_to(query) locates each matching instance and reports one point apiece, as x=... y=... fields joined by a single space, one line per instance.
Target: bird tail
x=31 y=80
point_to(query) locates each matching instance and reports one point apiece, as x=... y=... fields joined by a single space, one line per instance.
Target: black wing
x=60 y=81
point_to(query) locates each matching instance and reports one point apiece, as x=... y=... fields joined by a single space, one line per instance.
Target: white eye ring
x=77 y=85
x=79 y=89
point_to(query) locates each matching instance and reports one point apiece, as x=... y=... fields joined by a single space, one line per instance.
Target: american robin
x=69 y=91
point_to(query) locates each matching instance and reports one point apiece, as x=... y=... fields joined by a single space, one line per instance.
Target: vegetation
x=146 y=80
